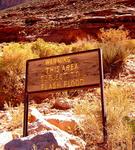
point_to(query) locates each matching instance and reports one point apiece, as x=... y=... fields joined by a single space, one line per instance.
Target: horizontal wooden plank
x=73 y=70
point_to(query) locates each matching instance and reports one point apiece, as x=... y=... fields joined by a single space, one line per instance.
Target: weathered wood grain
x=73 y=70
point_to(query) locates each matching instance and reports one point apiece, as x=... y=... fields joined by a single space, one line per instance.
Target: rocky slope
x=45 y=133
x=54 y=123
x=65 y=20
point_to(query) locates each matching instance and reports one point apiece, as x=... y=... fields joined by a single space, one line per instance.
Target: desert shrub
x=113 y=35
x=82 y=45
x=12 y=63
x=130 y=44
x=15 y=116
x=92 y=125
x=114 y=50
x=119 y=105
x=115 y=44
x=43 y=49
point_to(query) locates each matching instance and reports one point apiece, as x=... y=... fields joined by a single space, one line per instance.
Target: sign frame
x=101 y=85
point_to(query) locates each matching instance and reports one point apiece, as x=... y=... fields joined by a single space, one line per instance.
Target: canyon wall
x=65 y=20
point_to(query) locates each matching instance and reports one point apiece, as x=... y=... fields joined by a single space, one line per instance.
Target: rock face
x=51 y=140
x=40 y=142
x=45 y=132
x=65 y=20
x=5 y=137
x=64 y=121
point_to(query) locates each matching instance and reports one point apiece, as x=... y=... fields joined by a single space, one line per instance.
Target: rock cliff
x=65 y=20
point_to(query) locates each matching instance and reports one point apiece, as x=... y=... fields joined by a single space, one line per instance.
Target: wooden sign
x=64 y=72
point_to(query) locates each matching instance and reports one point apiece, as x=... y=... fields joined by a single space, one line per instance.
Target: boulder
x=46 y=135
x=65 y=121
x=50 y=139
x=45 y=132
x=61 y=104
x=5 y=137
x=41 y=123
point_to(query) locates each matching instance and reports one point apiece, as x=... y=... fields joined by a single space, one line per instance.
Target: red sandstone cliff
x=65 y=20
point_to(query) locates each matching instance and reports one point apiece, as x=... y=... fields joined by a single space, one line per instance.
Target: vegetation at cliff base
x=116 y=46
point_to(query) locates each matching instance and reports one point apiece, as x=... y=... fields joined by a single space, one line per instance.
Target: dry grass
x=115 y=52
x=12 y=69
x=119 y=105
x=113 y=35
x=85 y=44
x=15 y=116
x=130 y=45
x=92 y=125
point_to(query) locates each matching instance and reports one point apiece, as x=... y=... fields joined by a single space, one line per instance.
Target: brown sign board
x=63 y=72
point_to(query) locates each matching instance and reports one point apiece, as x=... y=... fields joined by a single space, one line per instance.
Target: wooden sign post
x=65 y=72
